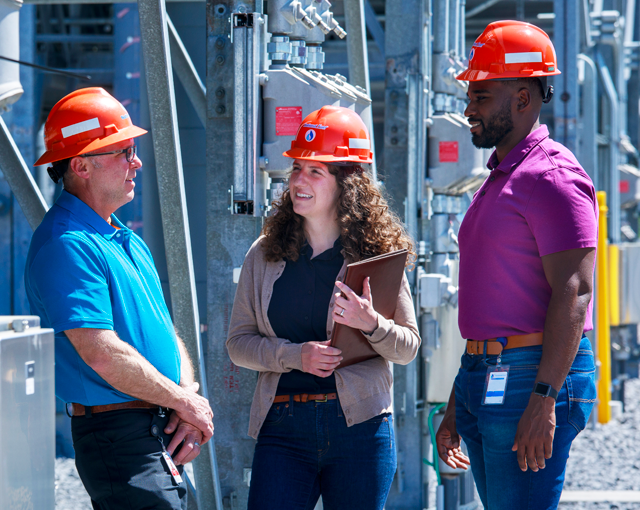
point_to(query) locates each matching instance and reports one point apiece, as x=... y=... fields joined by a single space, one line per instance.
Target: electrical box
x=629 y=283
x=10 y=87
x=455 y=164
x=445 y=359
x=289 y=95
x=27 y=422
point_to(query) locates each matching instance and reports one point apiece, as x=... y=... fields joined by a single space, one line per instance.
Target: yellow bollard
x=614 y=283
x=603 y=315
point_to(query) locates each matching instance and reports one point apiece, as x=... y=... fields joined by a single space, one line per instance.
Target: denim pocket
x=581 y=390
x=276 y=414
x=379 y=419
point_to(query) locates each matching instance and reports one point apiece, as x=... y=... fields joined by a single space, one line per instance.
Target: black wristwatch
x=545 y=390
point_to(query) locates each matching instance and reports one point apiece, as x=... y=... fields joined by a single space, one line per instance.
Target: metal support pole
x=187 y=74
x=588 y=153
x=614 y=150
x=357 y=54
x=228 y=239
x=407 y=34
x=20 y=180
x=565 y=102
x=164 y=124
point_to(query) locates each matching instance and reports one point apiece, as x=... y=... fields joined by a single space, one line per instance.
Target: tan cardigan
x=364 y=389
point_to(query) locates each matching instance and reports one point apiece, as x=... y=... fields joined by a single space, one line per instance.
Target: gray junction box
x=27 y=422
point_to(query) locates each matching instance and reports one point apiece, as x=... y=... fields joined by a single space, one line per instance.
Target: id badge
x=495 y=386
x=172 y=467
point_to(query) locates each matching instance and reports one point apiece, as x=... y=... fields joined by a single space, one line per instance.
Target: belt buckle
x=473 y=347
x=322 y=400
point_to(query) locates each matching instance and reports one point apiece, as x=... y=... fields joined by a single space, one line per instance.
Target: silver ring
x=342 y=313
x=195 y=443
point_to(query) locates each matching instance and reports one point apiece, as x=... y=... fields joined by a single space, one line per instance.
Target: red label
x=288 y=120
x=448 y=152
x=624 y=186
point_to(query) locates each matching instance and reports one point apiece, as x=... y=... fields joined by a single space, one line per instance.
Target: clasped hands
x=319 y=358
x=190 y=436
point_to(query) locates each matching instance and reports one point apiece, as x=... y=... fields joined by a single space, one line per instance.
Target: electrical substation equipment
x=10 y=87
x=277 y=83
x=27 y=423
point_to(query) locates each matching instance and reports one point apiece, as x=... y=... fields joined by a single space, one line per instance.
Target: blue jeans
x=489 y=431
x=305 y=450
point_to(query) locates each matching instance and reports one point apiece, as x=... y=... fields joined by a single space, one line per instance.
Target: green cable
x=434 y=464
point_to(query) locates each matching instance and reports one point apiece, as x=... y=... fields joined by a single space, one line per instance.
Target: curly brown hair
x=367 y=226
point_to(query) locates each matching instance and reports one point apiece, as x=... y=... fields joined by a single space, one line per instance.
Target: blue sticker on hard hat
x=126 y=116
x=310 y=135
x=316 y=126
x=471 y=54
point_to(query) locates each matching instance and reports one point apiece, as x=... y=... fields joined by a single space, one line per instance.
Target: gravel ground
x=606 y=457
x=70 y=493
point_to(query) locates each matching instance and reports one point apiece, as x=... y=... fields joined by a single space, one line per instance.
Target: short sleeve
x=562 y=212
x=71 y=281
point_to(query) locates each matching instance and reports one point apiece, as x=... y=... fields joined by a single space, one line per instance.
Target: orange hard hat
x=83 y=121
x=511 y=49
x=332 y=134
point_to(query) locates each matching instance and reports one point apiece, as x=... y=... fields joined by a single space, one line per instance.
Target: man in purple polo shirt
x=527 y=250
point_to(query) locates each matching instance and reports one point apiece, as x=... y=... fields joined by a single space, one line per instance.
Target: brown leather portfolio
x=386 y=273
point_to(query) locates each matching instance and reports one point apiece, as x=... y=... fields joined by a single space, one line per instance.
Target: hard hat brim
x=79 y=148
x=323 y=157
x=475 y=75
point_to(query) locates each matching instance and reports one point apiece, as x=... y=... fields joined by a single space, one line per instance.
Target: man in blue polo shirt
x=119 y=362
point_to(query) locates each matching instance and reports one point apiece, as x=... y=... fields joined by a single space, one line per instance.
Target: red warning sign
x=288 y=120
x=624 y=187
x=448 y=152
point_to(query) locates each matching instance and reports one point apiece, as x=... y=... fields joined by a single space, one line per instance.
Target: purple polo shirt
x=537 y=201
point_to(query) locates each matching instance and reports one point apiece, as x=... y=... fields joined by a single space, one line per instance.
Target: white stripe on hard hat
x=80 y=127
x=523 y=58
x=359 y=143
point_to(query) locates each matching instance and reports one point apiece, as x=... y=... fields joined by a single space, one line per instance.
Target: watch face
x=545 y=390
x=542 y=389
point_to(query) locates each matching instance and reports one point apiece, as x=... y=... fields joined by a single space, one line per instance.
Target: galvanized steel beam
x=168 y=159
x=228 y=239
x=357 y=54
x=187 y=74
x=20 y=180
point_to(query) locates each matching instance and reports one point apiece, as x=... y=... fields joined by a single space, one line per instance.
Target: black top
x=298 y=311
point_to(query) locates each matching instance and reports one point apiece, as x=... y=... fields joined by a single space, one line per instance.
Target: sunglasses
x=129 y=151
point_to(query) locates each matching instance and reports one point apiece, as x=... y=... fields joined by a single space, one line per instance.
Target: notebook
x=386 y=273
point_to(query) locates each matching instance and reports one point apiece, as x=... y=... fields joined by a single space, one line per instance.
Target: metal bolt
x=394 y=129
x=220 y=92
x=220 y=109
x=220 y=60
x=394 y=141
x=220 y=43
x=565 y=97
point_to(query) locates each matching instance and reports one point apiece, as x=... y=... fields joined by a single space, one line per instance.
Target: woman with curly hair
x=321 y=430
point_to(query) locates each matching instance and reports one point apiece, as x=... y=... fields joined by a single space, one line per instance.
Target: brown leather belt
x=513 y=342
x=306 y=397
x=80 y=410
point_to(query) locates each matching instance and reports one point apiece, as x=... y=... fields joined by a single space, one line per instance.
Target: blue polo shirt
x=81 y=272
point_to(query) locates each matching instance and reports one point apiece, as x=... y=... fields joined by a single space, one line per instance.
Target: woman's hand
x=319 y=358
x=355 y=311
